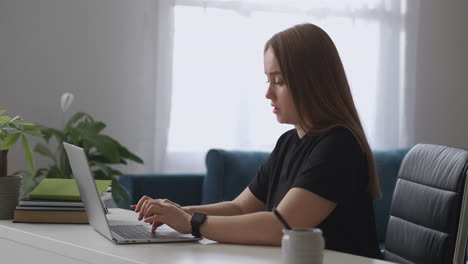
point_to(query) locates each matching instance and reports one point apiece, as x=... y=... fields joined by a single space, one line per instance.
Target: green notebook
x=62 y=189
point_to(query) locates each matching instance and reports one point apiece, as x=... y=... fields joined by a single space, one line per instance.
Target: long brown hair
x=312 y=70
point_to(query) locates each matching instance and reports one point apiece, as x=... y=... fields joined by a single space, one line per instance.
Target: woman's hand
x=162 y=211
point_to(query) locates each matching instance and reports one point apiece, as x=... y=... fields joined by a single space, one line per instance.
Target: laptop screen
x=88 y=190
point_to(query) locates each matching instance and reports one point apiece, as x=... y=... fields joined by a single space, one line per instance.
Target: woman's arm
x=261 y=228
x=245 y=203
x=300 y=208
x=220 y=209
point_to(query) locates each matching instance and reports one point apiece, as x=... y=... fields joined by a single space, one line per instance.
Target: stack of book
x=57 y=201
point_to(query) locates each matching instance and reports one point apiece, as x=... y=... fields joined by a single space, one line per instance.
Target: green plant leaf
x=77 y=116
x=10 y=141
x=32 y=133
x=63 y=162
x=91 y=127
x=98 y=127
x=41 y=173
x=2 y=111
x=101 y=150
x=46 y=133
x=50 y=132
x=98 y=158
x=30 y=181
x=11 y=130
x=4 y=120
x=77 y=134
x=14 y=119
x=120 y=194
x=30 y=129
x=106 y=147
x=28 y=153
x=54 y=172
x=27 y=124
x=100 y=175
x=129 y=155
x=43 y=150
x=116 y=172
x=101 y=166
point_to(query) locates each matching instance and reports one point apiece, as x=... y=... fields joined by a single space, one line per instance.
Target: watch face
x=196 y=221
x=198 y=217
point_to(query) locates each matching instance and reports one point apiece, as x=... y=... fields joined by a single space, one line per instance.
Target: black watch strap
x=198 y=218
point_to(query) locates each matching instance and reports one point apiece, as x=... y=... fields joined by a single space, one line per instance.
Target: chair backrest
x=229 y=172
x=426 y=224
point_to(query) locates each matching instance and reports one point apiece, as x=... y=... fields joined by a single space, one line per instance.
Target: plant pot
x=10 y=189
x=3 y=162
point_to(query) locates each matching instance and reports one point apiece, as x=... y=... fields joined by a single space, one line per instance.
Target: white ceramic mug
x=302 y=245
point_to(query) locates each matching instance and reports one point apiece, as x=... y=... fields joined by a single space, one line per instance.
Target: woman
x=320 y=174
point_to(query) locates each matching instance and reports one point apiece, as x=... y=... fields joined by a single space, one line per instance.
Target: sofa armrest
x=184 y=189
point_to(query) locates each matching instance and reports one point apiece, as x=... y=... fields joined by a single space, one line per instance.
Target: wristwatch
x=198 y=218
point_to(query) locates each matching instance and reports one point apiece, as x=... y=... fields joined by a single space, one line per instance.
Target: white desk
x=72 y=243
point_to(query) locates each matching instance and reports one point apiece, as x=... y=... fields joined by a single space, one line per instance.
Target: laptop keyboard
x=132 y=231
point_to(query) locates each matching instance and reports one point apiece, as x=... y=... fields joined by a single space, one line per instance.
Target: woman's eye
x=276 y=81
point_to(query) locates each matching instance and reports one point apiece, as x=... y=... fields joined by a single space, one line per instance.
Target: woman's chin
x=282 y=120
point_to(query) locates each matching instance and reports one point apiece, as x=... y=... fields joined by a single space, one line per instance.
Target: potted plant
x=11 y=131
x=102 y=151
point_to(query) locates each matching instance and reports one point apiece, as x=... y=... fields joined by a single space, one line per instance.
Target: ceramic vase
x=302 y=246
x=10 y=188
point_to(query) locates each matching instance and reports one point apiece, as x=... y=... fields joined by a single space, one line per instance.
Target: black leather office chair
x=428 y=218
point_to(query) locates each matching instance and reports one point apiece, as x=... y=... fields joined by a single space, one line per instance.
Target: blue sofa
x=229 y=172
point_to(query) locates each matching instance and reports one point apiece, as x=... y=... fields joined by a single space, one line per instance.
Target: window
x=218 y=83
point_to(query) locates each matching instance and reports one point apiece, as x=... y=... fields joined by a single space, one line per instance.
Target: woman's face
x=278 y=93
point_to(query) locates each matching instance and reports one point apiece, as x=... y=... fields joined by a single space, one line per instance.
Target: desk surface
x=73 y=243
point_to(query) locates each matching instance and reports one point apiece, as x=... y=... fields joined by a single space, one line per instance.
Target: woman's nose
x=269 y=93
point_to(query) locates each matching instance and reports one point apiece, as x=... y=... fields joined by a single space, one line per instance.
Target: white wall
x=440 y=76
x=102 y=51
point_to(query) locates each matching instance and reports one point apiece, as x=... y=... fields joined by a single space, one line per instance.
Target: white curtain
x=163 y=81
x=217 y=84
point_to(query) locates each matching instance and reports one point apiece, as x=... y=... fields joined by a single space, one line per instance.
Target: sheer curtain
x=218 y=84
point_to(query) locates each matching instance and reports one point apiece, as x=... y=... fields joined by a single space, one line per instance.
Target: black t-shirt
x=333 y=166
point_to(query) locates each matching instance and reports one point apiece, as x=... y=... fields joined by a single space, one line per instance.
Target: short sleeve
x=335 y=169
x=259 y=184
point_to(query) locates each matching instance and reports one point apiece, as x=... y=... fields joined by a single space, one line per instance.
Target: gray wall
x=102 y=51
x=441 y=73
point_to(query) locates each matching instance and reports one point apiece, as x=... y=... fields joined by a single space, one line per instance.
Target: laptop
x=119 y=234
